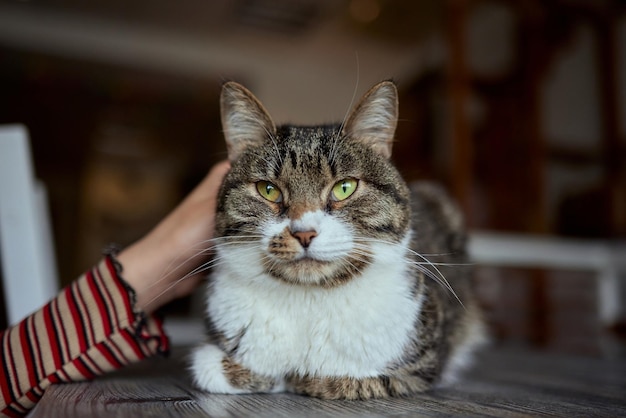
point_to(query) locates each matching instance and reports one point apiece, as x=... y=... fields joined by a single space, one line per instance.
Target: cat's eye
x=344 y=189
x=269 y=191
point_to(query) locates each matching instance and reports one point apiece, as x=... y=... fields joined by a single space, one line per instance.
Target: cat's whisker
x=363 y=260
x=422 y=256
x=362 y=257
x=197 y=270
x=200 y=269
x=422 y=266
x=270 y=135
x=239 y=239
x=424 y=269
x=268 y=262
x=204 y=248
x=400 y=245
x=169 y=270
x=272 y=163
x=439 y=278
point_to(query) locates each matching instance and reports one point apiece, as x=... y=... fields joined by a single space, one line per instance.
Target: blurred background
x=518 y=107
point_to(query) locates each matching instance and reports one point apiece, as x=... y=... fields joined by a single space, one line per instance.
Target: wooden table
x=505 y=383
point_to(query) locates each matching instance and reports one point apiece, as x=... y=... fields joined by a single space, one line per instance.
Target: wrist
x=143 y=265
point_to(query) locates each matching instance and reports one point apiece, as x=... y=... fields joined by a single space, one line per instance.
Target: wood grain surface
x=504 y=383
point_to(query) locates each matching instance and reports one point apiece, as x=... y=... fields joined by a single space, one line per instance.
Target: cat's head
x=308 y=205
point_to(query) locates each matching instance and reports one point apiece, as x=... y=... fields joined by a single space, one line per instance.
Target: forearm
x=90 y=328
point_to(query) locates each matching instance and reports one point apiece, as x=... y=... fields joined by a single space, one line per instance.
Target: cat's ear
x=373 y=120
x=244 y=119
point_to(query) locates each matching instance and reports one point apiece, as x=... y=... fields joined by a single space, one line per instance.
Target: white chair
x=29 y=273
x=606 y=258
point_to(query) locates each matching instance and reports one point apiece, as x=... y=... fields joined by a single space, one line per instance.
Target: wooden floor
x=505 y=383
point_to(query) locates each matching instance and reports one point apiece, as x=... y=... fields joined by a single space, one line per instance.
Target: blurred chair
x=603 y=257
x=29 y=274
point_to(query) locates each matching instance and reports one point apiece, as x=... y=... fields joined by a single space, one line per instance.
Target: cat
x=322 y=285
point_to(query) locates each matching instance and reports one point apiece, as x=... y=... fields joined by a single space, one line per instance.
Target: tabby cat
x=322 y=284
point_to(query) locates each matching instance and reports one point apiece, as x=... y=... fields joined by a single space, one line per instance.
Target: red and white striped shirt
x=89 y=329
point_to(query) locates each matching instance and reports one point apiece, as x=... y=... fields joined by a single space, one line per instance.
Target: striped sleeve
x=89 y=329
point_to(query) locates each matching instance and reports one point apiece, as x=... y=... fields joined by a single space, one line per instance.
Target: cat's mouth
x=307 y=265
x=308 y=262
x=309 y=271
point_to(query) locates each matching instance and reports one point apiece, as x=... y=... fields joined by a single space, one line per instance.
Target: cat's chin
x=305 y=271
x=311 y=272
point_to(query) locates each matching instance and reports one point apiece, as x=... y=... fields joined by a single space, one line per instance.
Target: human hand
x=160 y=266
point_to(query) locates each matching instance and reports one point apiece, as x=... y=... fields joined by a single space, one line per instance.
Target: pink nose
x=304 y=237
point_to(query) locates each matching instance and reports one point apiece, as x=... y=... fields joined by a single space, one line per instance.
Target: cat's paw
x=207 y=370
x=215 y=372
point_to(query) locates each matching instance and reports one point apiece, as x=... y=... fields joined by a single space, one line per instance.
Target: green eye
x=269 y=191
x=343 y=189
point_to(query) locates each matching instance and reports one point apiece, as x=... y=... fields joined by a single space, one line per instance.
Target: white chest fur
x=354 y=330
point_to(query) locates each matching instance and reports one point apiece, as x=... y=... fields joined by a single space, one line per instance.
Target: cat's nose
x=304 y=237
